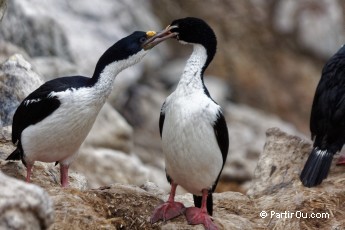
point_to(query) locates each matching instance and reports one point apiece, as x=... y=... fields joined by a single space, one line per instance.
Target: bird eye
x=142 y=39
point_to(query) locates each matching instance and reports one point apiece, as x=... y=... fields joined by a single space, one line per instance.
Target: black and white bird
x=327 y=121
x=52 y=122
x=194 y=132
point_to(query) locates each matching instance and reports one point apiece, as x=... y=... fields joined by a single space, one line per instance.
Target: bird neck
x=105 y=72
x=103 y=81
x=193 y=73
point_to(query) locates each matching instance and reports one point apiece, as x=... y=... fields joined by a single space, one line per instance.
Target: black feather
x=222 y=135
x=161 y=120
x=316 y=168
x=327 y=119
x=16 y=155
x=30 y=114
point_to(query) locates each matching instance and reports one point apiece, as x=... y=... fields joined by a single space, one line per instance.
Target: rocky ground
x=264 y=66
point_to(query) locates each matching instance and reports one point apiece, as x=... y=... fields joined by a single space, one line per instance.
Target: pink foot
x=199 y=216
x=341 y=160
x=167 y=211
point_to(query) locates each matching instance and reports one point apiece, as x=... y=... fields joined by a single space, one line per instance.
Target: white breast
x=192 y=155
x=59 y=136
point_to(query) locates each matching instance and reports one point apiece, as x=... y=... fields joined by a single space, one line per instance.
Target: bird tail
x=209 y=202
x=16 y=155
x=317 y=167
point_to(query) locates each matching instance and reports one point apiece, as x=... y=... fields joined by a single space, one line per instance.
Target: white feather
x=27 y=102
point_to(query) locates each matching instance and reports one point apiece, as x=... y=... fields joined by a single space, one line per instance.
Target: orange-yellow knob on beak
x=150 y=33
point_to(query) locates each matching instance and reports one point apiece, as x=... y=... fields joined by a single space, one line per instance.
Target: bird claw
x=197 y=216
x=167 y=211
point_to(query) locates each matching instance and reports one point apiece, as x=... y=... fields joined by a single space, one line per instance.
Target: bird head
x=140 y=41
x=193 y=31
x=131 y=49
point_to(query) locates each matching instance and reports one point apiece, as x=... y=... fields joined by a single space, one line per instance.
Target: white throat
x=104 y=85
x=191 y=76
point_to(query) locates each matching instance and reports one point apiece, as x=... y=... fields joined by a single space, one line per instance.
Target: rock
x=219 y=90
x=277 y=188
x=6 y=146
x=317 y=25
x=171 y=72
x=53 y=67
x=106 y=166
x=109 y=207
x=24 y=206
x=8 y=49
x=111 y=131
x=17 y=80
x=272 y=171
x=247 y=127
x=3 y=6
x=39 y=35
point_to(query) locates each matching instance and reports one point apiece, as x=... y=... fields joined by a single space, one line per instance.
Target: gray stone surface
x=17 y=80
x=38 y=34
x=24 y=206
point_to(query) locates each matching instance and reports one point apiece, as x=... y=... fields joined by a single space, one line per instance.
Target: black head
x=195 y=31
x=131 y=49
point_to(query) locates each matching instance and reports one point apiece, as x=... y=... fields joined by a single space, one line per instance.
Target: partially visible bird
x=327 y=121
x=52 y=122
x=193 y=129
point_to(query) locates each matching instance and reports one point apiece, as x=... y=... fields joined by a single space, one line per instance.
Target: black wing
x=32 y=113
x=39 y=104
x=222 y=136
x=221 y=131
x=327 y=119
x=161 y=119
